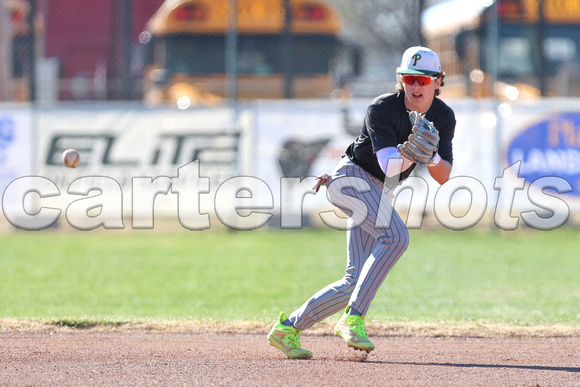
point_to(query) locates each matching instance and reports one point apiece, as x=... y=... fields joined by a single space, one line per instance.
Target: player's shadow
x=514 y=366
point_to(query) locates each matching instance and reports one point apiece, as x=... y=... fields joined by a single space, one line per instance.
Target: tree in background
x=392 y=25
x=384 y=29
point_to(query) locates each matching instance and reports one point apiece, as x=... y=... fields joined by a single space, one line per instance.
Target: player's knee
x=404 y=239
x=398 y=242
x=401 y=243
x=349 y=280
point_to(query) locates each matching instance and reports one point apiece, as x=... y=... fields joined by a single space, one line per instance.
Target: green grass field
x=521 y=278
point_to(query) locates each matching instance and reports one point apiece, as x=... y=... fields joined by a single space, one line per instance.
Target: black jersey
x=387 y=124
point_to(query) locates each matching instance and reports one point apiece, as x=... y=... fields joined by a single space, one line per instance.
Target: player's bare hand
x=321 y=180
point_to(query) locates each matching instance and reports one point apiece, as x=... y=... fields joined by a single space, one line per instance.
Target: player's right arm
x=392 y=162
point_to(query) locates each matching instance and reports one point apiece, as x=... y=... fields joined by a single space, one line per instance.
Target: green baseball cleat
x=352 y=329
x=287 y=340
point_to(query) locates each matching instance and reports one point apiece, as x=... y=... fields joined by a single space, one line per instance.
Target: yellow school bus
x=537 y=49
x=275 y=53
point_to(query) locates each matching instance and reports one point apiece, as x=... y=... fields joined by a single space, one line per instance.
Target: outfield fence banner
x=16 y=147
x=305 y=139
x=122 y=148
x=294 y=143
x=255 y=164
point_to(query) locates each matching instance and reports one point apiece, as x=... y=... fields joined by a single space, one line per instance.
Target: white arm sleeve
x=391 y=161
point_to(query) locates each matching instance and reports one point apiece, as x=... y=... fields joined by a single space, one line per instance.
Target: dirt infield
x=124 y=356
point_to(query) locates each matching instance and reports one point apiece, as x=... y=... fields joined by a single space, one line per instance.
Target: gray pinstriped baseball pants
x=372 y=250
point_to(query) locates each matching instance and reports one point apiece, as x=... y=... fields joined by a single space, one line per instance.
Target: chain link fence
x=125 y=49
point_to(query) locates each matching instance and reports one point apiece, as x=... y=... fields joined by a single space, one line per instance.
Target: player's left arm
x=440 y=168
x=440 y=171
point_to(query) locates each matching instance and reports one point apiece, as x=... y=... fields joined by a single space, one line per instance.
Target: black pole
x=31 y=52
x=288 y=52
x=421 y=8
x=126 y=28
x=542 y=65
x=232 y=51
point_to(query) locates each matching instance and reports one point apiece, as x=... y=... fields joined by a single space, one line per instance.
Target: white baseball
x=71 y=158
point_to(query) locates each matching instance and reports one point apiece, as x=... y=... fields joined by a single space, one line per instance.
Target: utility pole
x=288 y=51
x=420 y=9
x=5 y=54
x=232 y=51
x=494 y=39
x=31 y=43
x=125 y=21
x=542 y=65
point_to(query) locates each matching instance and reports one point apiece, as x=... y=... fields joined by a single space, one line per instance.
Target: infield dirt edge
x=393 y=329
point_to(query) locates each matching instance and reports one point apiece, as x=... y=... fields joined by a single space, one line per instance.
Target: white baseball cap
x=419 y=61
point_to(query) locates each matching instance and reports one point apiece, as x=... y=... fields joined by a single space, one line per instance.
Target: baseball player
x=401 y=130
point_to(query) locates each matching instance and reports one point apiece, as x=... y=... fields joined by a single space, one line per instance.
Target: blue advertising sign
x=6 y=135
x=549 y=148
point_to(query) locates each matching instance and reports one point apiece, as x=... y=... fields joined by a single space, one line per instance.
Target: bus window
x=256 y=55
x=200 y=54
x=318 y=52
x=253 y=62
x=205 y=54
x=560 y=49
x=514 y=57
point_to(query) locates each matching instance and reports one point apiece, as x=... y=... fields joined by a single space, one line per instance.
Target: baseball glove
x=421 y=146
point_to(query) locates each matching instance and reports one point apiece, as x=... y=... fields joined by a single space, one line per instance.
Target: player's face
x=419 y=91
